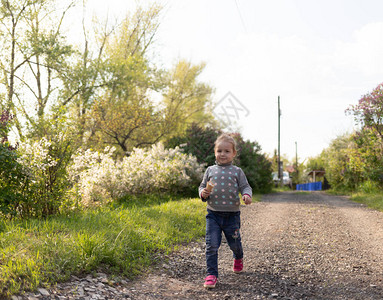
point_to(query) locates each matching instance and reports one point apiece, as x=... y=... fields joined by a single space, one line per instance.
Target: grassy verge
x=374 y=201
x=280 y=189
x=257 y=197
x=118 y=240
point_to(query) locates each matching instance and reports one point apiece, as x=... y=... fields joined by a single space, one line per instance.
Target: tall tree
x=34 y=53
x=186 y=99
x=124 y=115
x=369 y=111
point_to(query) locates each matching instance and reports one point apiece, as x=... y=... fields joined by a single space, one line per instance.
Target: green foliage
x=369 y=111
x=32 y=65
x=316 y=163
x=355 y=161
x=186 y=99
x=372 y=199
x=369 y=187
x=120 y=240
x=369 y=154
x=336 y=158
x=33 y=178
x=44 y=166
x=198 y=141
x=11 y=171
x=12 y=179
x=255 y=165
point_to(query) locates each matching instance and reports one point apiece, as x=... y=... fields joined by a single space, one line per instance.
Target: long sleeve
x=203 y=184
x=243 y=184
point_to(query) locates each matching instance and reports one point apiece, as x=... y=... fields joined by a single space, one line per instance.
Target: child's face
x=224 y=153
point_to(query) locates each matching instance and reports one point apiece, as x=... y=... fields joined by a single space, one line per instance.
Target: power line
x=240 y=16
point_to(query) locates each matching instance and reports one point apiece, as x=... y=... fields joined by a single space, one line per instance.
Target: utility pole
x=279 y=145
x=296 y=160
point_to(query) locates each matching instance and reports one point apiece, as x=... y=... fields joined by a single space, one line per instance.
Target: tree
x=255 y=165
x=124 y=114
x=34 y=53
x=198 y=141
x=186 y=99
x=367 y=156
x=369 y=111
x=127 y=123
x=316 y=163
x=340 y=174
x=85 y=80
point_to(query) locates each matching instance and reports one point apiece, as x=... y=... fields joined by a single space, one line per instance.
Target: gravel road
x=296 y=245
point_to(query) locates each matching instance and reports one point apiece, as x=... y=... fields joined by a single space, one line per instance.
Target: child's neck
x=224 y=164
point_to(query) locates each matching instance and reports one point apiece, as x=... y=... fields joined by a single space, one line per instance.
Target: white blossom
x=156 y=169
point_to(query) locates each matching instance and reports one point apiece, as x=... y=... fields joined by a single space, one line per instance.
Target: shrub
x=11 y=181
x=254 y=164
x=197 y=141
x=98 y=177
x=45 y=189
x=369 y=187
x=11 y=175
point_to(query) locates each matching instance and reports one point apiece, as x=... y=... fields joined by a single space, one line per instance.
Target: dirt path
x=297 y=246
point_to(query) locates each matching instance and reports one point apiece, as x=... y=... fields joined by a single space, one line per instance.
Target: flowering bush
x=97 y=176
x=36 y=159
x=45 y=186
x=369 y=110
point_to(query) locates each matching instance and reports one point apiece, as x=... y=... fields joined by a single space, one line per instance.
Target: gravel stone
x=296 y=246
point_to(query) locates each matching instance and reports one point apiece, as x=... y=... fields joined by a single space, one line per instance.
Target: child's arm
x=245 y=188
x=204 y=193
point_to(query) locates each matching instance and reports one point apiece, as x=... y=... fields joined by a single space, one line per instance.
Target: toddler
x=223 y=202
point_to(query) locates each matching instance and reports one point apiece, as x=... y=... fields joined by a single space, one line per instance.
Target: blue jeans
x=217 y=222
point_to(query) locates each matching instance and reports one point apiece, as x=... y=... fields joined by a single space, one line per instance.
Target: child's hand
x=246 y=199
x=205 y=193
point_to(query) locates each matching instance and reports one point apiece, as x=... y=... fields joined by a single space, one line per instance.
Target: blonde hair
x=225 y=138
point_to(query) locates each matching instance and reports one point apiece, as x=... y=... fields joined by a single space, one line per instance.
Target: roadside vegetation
x=101 y=149
x=374 y=201
x=354 y=161
x=120 y=239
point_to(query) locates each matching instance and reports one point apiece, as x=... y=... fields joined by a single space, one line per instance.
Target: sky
x=319 y=57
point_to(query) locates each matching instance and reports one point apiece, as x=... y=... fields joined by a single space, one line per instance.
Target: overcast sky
x=318 y=56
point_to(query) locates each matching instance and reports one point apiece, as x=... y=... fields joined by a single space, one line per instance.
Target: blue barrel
x=311 y=186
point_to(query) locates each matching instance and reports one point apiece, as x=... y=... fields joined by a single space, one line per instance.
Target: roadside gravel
x=297 y=246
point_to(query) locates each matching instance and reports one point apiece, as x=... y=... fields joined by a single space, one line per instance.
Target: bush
x=12 y=179
x=254 y=164
x=45 y=190
x=11 y=175
x=197 y=141
x=369 y=187
x=98 y=177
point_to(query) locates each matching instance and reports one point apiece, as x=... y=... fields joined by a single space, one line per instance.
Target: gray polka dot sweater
x=229 y=181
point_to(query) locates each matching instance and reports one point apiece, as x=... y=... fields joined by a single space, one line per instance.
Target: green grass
x=280 y=189
x=257 y=197
x=374 y=201
x=122 y=239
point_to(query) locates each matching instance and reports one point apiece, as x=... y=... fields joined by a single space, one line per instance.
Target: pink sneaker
x=238 y=265
x=210 y=282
